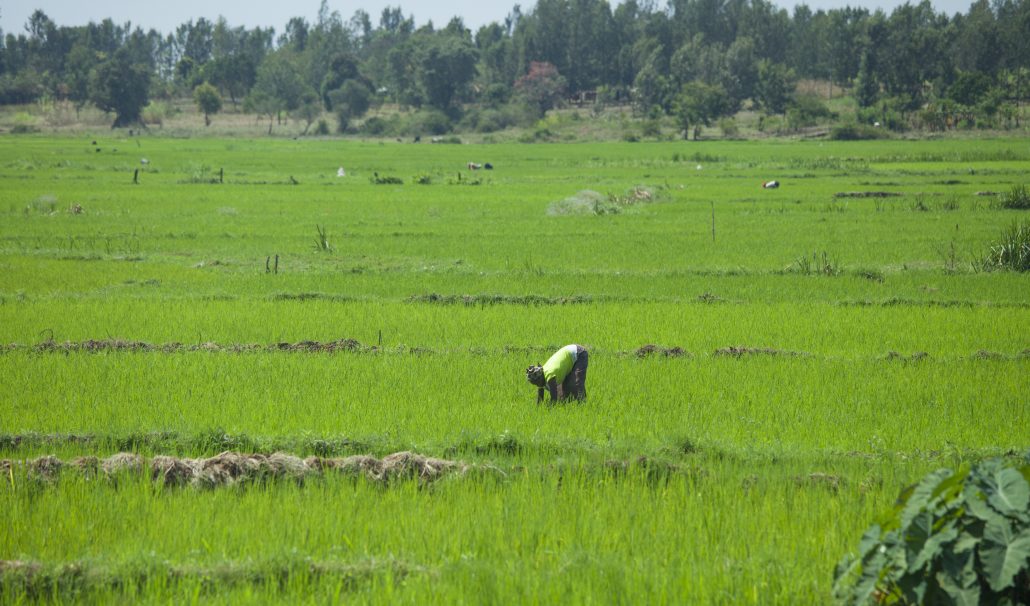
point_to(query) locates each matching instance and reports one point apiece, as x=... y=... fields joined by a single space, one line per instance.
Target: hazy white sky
x=166 y=15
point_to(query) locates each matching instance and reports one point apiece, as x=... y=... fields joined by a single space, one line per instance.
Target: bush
x=856 y=132
x=1012 y=252
x=1017 y=198
x=956 y=537
x=375 y=126
x=807 y=110
x=729 y=128
x=433 y=122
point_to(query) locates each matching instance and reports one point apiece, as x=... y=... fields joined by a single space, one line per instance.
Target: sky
x=166 y=15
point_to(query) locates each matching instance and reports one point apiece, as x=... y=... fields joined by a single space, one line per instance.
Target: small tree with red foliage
x=542 y=87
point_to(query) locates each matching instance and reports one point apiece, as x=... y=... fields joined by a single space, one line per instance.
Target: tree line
x=695 y=60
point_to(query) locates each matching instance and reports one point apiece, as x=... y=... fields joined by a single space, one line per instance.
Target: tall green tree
x=699 y=103
x=447 y=65
x=208 y=101
x=121 y=84
x=350 y=101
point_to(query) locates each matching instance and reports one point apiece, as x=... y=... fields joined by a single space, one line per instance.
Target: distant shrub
x=433 y=122
x=651 y=127
x=24 y=129
x=1012 y=251
x=422 y=179
x=374 y=126
x=1017 y=198
x=322 y=128
x=807 y=110
x=856 y=132
x=956 y=537
x=156 y=113
x=729 y=128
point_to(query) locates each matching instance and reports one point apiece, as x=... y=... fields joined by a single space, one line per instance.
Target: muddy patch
x=866 y=194
x=649 y=350
x=918 y=356
x=483 y=300
x=742 y=351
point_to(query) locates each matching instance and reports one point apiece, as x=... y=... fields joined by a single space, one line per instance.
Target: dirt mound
x=829 y=481
x=93 y=346
x=866 y=194
x=651 y=349
x=470 y=300
x=47 y=467
x=899 y=357
x=741 y=351
x=123 y=461
x=229 y=468
x=171 y=471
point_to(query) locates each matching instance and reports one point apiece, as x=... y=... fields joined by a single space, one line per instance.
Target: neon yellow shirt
x=557 y=367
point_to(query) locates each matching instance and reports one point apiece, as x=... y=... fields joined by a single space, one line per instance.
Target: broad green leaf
x=870 y=540
x=917 y=534
x=966 y=542
x=1012 y=494
x=1003 y=553
x=958 y=574
x=962 y=596
x=871 y=574
x=976 y=503
x=932 y=549
x=920 y=496
x=913 y=587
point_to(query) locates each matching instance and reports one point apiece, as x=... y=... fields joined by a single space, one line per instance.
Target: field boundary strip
x=353 y=346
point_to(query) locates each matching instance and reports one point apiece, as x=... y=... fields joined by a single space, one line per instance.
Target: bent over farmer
x=563 y=375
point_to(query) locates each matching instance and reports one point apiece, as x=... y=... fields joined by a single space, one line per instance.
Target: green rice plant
x=1011 y=251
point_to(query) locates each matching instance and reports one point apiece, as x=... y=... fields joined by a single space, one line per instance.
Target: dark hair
x=535 y=375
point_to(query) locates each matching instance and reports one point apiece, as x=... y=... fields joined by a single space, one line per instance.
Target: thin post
x=277 y=264
x=713 y=221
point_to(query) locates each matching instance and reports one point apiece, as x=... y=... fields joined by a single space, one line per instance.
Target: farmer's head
x=535 y=375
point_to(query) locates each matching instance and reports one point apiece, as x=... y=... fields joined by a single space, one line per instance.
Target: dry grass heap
x=230 y=468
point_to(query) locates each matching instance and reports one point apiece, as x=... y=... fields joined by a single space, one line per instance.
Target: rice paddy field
x=230 y=375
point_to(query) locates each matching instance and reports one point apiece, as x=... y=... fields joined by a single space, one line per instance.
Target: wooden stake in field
x=713 y=221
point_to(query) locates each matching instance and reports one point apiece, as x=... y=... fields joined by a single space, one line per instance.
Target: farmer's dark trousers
x=575 y=384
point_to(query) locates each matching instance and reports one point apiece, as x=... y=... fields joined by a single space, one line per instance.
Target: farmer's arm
x=552 y=386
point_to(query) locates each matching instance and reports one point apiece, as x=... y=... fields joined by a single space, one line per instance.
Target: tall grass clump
x=1018 y=198
x=820 y=264
x=322 y=243
x=1011 y=252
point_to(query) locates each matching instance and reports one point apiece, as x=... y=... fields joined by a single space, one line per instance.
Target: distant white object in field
x=698 y=167
x=341 y=172
x=144 y=161
x=876 y=124
x=770 y=184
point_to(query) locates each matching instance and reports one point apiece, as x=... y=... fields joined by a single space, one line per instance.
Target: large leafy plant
x=956 y=537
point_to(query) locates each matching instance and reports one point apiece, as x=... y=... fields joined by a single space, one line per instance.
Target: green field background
x=877 y=349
